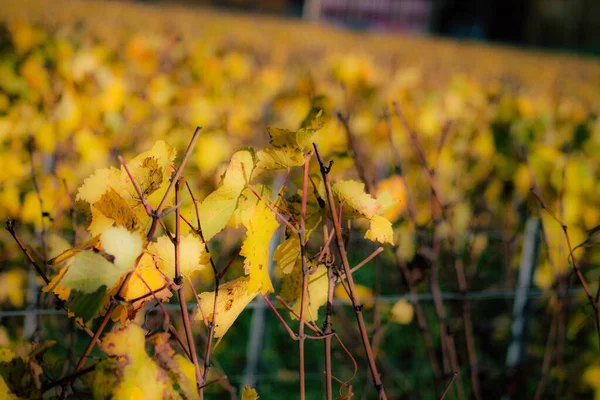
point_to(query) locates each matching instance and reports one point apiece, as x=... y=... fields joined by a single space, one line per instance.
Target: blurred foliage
x=84 y=81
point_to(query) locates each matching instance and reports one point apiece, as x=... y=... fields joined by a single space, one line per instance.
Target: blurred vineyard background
x=82 y=82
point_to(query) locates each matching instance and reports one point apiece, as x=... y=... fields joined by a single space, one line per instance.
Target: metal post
x=515 y=356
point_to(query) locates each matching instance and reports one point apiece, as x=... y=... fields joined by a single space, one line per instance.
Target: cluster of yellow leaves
x=130 y=373
x=357 y=203
x=93 y=272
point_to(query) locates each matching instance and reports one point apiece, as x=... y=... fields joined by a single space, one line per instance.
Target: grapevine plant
x=136 y=256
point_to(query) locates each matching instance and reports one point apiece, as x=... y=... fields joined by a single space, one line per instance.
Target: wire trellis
x=482 y=295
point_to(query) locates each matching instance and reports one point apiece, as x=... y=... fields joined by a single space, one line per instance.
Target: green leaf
x=90 y=271
x=86 y=305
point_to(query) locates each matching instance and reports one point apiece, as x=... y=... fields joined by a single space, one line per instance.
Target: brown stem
x=304 y=298
x=30 y=150
x=458 y=264
x=454 y=376
x=547 y=359
x=328 y=329
x=420 y=319
x=450 y=357
x=353 y=297
x=72 y=212
x=280 y=318
x=175 y=334
x=10 y=227
x=360 y=168
x=593 y=301
x=181 y=295
x=309 y=325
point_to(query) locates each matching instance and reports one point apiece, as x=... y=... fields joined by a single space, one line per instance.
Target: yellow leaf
x=287 y=254
x=402 y=312
x=279 y=158
x=363 y=293
x=53 y=286
x=355 y=201
x=113 y=206
x=317 y=294
x=11 y=287
x=123 y=245
x=211 y=150
x=406 y=242
x=216 y=211
x=299 y=140
x=89 y=270
x=151 y=171
x=95 y=185
x=140 y=377
x=5 y=391
x=25 y=36
x=218 y=207
x=591 y=377
x=380 y=230
x=146 y=279
x=260 y=223
x=249 y=393
x=192 y=252
x=391 y=194
x=56 y=245
x=233 y=298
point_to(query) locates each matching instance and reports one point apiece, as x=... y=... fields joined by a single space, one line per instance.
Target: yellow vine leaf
x=96 y=184
x=192 y=252
x=116 y=208
x=402 y=312
x=180 y=369
x=270 y=159
x=249 y=393
x=380 y=230
x=140 y=376
x=364 y=294
x=287 y=151
x=5 y=391
x=233 y=298
x=247 y=200
x=317 y=294
x=123 y=245
x=90 y=270
x=287 y=254
x=112 y=196
x=218 y=207
x=56 y=246
x=356 y=202
x=591 y=377
x=151 y=171
x=11 y=287
x=147 y=278
x=299 y=140
x=391 y=194
x=260 y=223
x=53 y=286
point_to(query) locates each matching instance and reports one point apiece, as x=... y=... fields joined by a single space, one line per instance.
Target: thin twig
x=181 y=295
x=304 y=296
x=575 y=262
x=10 y=227
x=353 y=297
x=461 y=275
x=454 y=376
